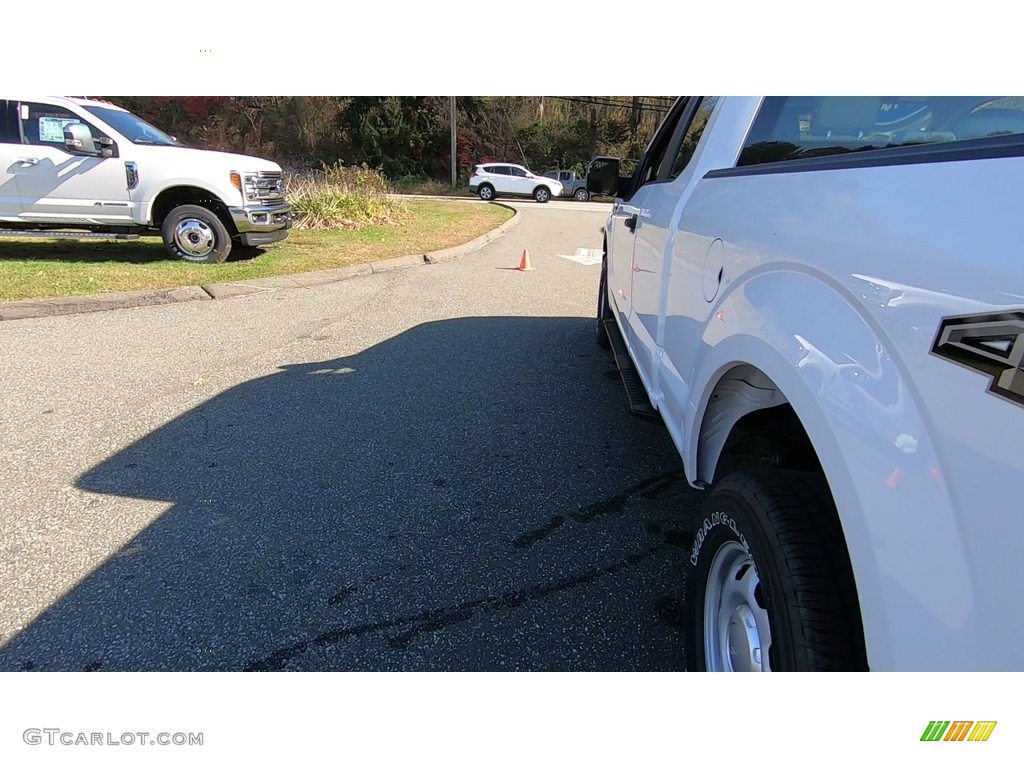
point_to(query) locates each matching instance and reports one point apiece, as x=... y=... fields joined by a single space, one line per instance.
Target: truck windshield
x=133 y=128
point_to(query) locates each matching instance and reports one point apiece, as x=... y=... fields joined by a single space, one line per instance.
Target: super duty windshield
x=133 y=128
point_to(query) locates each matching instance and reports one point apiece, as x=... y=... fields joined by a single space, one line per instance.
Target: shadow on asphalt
x=149 y=250
x=469 y=495
x=146 y=250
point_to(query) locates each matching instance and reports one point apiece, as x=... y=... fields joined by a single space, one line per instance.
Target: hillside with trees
x=408 y=137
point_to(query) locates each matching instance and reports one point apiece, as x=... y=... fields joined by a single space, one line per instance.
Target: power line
x=595 y=102
x=606 y=102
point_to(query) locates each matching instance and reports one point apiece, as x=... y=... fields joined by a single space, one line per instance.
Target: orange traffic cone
x=524 y=263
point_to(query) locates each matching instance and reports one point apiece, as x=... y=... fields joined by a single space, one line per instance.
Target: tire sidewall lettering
x=715 y=520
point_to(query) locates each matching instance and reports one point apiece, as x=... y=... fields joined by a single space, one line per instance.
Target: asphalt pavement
x=426 y=469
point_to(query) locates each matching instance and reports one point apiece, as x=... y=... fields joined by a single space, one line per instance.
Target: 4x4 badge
x=989 y=344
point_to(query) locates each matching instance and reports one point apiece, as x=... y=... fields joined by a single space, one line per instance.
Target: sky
x=527 y=47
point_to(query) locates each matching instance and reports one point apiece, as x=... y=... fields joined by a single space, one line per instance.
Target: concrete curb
x=447 y=254
x=73 y=305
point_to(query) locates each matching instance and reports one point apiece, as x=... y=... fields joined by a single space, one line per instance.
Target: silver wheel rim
x=194 y=237
x=737 y=636
x=485 y=193
x=581 y=196
x=542 y=195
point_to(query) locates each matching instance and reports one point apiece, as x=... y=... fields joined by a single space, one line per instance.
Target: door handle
x=631 y=223
x=27 y=161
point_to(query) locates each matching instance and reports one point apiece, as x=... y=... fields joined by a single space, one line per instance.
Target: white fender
x=874 y=443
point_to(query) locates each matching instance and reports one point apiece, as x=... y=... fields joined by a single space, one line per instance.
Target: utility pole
x=455 y=165
x=634 y=116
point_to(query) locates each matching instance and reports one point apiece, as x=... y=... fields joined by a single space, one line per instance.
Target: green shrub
x=339 y=197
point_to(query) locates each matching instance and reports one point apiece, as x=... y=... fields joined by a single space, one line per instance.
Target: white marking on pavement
x=588 y=257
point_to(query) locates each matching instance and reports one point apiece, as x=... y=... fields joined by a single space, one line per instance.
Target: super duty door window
x=693 y=133
x=43 y=125
x=796 y=127
x=653 y=166
x=8 y=125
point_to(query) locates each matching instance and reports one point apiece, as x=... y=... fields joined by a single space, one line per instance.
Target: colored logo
x=959 y=730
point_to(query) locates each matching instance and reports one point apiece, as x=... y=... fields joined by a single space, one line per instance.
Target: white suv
x=490 y=180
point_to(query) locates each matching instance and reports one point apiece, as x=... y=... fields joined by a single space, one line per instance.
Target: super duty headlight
x=246 y=184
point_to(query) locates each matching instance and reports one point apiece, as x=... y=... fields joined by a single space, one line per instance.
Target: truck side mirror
x=79 y=140
x=107 y=146
x=603 y=176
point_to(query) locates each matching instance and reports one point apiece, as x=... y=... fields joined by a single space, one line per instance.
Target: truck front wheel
x=770 y=587
x=194 y=233
x=581 y=195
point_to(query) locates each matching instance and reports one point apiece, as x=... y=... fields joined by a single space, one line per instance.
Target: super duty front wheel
x=770 y=587
x=194 y=233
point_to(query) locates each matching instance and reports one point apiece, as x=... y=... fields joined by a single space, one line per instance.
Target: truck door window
x=795 y=127
x=43 y=125
x=693 y=133
x=8 y=126
x=654 y=160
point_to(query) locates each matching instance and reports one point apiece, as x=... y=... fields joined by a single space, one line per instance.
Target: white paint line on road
x=588 y=257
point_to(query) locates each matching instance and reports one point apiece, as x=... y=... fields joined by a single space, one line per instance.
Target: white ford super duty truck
x=85 y=168
x=822 y=298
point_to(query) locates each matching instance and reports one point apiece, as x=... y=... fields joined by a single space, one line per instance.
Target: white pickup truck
x=832 y=289
x=79 y=168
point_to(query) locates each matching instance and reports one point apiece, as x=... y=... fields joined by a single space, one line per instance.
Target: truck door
x=57 y=186
x=630 y=217
x=664 y=195
x=10 y=148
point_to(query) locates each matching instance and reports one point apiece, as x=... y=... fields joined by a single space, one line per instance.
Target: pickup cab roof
x=82 y=101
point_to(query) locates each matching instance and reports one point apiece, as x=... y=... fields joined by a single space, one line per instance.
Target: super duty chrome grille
x=270 y=187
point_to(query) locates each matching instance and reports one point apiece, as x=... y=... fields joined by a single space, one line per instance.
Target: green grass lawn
x=32 y=268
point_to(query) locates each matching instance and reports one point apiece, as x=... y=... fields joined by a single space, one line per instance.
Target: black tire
x=486 y=192
x=581 y=195
x=777 y=540
x=196 y=234
x=541 y=194
x=604 y=312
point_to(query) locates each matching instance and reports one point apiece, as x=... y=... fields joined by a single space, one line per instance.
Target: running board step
x=44 y=233
x=639 y=403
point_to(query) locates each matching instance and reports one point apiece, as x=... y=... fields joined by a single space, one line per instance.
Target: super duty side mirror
x=603 y=179
x=79 y=140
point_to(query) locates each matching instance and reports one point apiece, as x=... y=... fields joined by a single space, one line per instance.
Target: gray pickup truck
x=573 y=185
